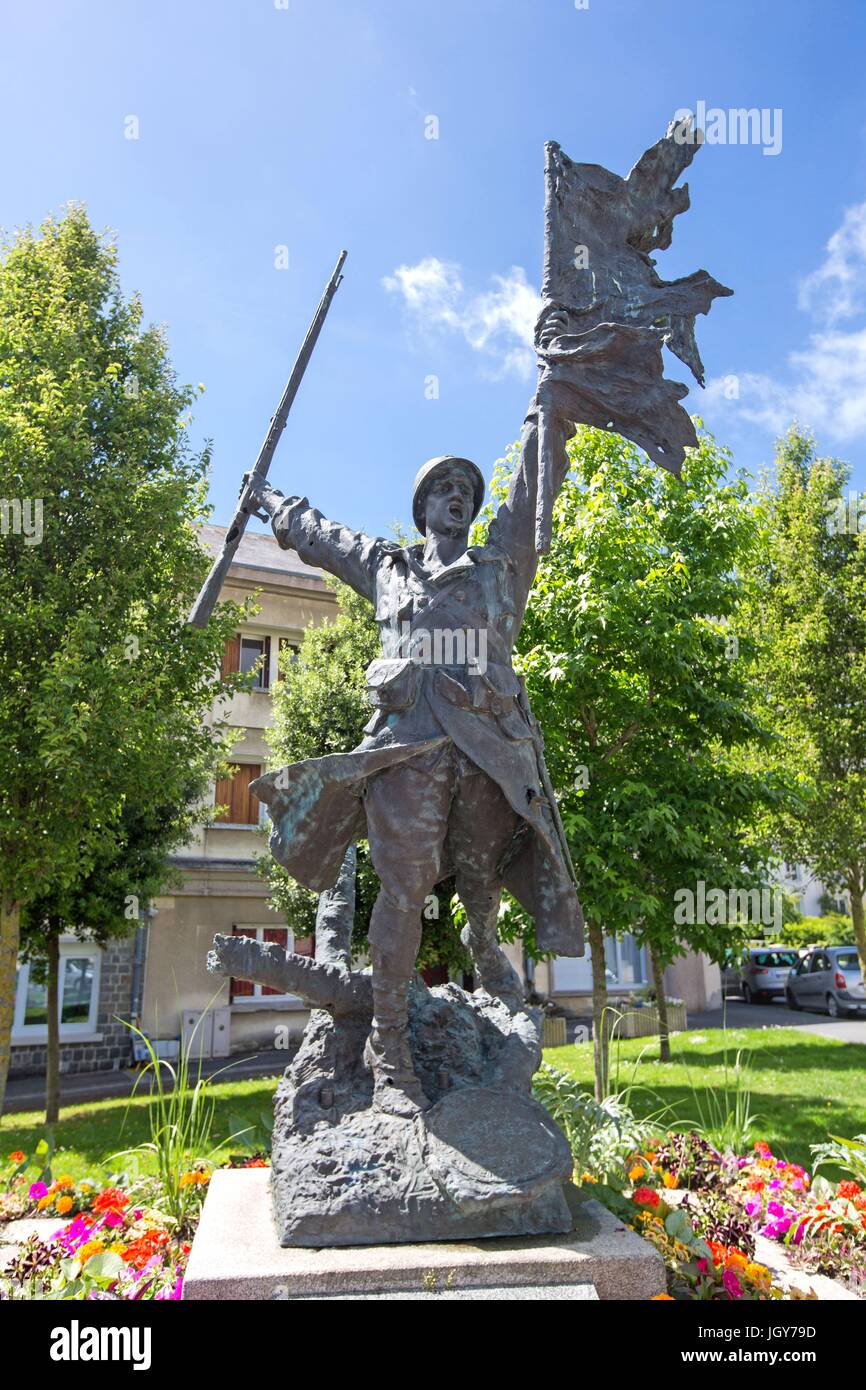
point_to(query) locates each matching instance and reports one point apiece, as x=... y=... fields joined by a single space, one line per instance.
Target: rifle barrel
x=210 y=590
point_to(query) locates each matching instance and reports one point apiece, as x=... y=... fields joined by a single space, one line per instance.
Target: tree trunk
x=600 y=1029
x=855 y=890
x=10 y=932
x=658 y=971
x=52 y=1051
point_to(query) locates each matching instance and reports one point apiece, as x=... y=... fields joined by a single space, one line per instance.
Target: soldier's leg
x=481 y=831
x=407 y=820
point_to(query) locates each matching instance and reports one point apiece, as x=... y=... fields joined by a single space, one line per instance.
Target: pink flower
x=37 y=1190
x=799 y=1233
x=113 y=1218
x=702 y=1265
x=732 y=1284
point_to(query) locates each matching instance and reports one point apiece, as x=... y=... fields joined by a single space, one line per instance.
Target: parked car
x=829 y=979
x=764 y=972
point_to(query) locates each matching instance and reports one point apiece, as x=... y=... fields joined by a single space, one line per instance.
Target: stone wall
x=114 y=1049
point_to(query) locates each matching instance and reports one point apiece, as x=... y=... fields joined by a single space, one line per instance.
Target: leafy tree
x=129 y=868
x=645 y=695
x=321 y=707
x=103 y=686
x=809 y=610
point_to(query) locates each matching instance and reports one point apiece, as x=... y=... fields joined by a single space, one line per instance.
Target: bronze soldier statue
x=450 y=776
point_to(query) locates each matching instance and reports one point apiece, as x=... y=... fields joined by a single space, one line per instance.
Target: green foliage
x=645 y=704
x=808 y=586
x=181 y=1116
x=602 y=1135
x=833 y=929
x=725 y=1116
x=102 y=685
x=847 y=1154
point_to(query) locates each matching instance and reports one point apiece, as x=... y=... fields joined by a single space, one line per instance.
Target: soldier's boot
x=396 y=1088
x=493 y=970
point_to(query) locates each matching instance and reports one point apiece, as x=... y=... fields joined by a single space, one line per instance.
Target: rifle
x=246 y=507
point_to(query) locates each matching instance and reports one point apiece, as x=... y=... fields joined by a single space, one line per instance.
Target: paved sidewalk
x=775 y=1014
x=28 y=1092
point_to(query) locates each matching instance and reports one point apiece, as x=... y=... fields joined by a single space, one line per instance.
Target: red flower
x=111 y=1199
x=645 y=1197
x=848 y=1189
x=16 y=1156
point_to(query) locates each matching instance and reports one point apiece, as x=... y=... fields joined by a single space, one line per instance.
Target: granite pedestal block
x=236 y=1255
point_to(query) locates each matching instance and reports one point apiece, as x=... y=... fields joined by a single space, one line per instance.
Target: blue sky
x=304 y=127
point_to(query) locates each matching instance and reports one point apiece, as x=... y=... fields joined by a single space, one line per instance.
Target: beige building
x=221 y=890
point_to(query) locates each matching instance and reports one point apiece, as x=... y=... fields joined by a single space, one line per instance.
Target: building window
x=78 y=994
x=246 y=989
x=625 y=967
x=233 y=792
x=256 y=653
x=243 y=654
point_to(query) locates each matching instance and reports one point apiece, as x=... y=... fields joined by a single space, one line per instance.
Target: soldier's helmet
x=425 y=476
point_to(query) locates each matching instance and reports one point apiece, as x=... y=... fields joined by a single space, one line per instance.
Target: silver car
x=764 y=972
x=829 y=979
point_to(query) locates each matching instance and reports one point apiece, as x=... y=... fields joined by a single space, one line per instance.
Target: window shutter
x=231 y=662
x=266 y=665
x=244 y=805
x=239 y=989
x=223 y=793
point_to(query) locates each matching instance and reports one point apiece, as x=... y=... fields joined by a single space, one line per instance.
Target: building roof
x=258 y=551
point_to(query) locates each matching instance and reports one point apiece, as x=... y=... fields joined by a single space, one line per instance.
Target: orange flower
x=636 y=1173
x=16 y=1156
x=45 y=1201
x=670 y=1179
x=93 y=1247
x=848 y=1189
x=65 y=1181
x=63 y=1205
x=736 y=1258
x=662 y=1297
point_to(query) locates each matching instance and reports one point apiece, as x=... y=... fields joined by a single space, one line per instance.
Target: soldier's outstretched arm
x=350 y=555
x=514 y=526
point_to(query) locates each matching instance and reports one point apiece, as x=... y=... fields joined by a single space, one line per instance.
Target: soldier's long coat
x=426 y=692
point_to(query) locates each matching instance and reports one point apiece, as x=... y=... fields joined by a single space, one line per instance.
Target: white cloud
x=497 y=323
x=826 y=389
x=837 y=289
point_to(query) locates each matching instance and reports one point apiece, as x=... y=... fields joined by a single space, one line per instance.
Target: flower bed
x=705 y=1211
x=96 y=1241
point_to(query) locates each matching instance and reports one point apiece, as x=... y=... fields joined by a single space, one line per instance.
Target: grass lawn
x=804 y=1087
x=89 y=1133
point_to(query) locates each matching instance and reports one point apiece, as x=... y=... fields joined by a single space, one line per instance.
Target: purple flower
x=799 y=1233
x=37 y=1191
x=775 y=1209
x=776 y=1183
x=175 y=1292
x=743 y=1162
x=753 y=1207
x=732 y=1284
x=780 y=1163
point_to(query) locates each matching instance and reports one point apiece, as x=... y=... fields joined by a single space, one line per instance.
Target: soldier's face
x=449 y=503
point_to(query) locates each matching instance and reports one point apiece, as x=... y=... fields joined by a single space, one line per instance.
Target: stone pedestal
x=236 y=1255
